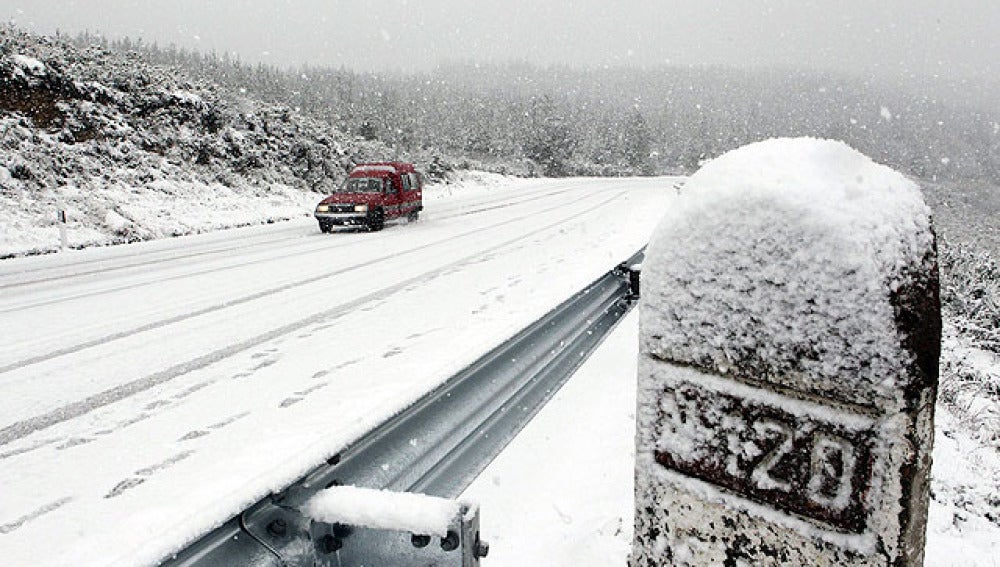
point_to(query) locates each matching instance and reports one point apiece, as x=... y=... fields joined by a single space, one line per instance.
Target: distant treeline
x=526 y=119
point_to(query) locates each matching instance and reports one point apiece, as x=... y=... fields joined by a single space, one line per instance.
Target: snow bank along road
x=149 y=392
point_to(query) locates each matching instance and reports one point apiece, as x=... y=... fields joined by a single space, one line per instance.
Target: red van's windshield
x=362 y=185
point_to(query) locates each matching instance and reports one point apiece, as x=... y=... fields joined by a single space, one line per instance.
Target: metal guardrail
x=437 y=446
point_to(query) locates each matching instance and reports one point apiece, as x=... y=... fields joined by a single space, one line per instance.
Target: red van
x=372 y=194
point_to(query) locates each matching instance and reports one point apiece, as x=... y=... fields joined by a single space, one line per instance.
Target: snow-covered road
x=149 y=392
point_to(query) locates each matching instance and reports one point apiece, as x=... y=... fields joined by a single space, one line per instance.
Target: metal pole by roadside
x=63 y=238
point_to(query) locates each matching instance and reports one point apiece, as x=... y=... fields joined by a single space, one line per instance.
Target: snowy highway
x=149 y=392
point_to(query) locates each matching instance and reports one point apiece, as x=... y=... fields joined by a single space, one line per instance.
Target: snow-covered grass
x=970 y=355
x=115 y=213
x=970 y=386
x=963 y=526
x=964 y=522
x=971 y=293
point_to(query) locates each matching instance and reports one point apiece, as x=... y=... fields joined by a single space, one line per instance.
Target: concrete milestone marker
x=789 y=340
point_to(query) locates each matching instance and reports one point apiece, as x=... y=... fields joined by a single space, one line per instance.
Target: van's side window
x=406 y=182
x=414 y=180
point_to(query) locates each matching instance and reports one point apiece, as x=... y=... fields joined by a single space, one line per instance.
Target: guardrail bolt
x=329 y=544
x=450 y=542
x=482 y=548
x=420 y=541
x=342 y=531
x=278 y=528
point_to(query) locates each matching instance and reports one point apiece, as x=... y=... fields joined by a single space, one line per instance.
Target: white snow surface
x=578 y=513
x=560 y=495
x=781 y=243
x=963 y=524
x=383 y=509
x=149 y=392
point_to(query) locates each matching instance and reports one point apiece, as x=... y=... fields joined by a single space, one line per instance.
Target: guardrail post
x=388 y=529
x=61 y=219
x=789 y=341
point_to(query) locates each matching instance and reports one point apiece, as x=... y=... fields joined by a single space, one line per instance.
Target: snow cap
x=796 y=262
x=383 y=509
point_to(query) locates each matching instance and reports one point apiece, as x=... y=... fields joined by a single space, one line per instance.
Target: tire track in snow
x=43 y=303
x=260 y=247
x=266 y=240
x=257 y=295
x=140 y=264
x=76 y=409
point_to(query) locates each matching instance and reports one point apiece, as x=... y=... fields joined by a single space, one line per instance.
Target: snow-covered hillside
x=133 y=151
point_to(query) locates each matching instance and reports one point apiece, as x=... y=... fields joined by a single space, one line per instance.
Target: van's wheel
x=377 y=221
x=325 y=227
x=413 y=216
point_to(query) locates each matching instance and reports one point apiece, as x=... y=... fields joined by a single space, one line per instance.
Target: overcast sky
x=952 y=38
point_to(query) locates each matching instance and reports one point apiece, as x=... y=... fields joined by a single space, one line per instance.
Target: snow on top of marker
x=777 y=262
x=383 y=509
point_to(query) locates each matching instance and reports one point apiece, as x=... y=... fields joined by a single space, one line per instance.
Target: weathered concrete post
x=789 y=341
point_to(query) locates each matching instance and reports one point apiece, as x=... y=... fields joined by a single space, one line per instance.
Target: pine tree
x=549 y=141
x=636 y=143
